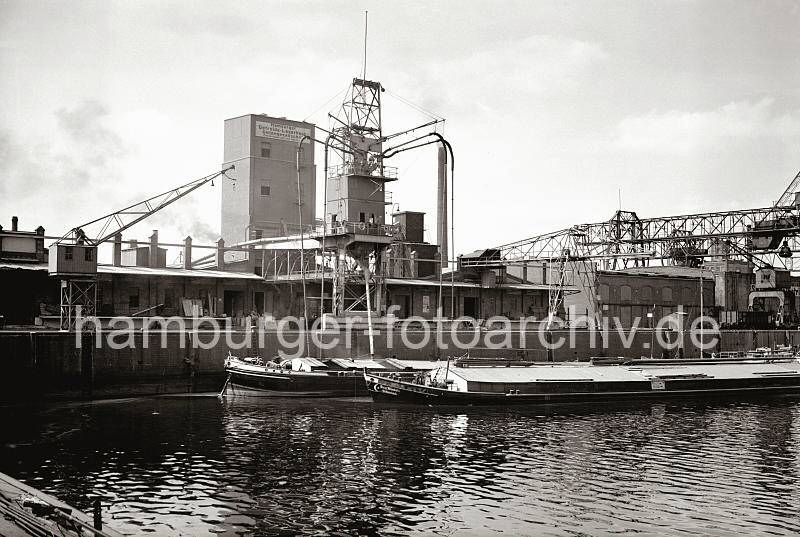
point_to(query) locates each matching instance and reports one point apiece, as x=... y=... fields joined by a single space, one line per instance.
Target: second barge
x=547 y=383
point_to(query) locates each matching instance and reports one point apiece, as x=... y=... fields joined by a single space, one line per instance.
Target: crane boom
x=786 y=198
x=73 y=257
x=122 y=219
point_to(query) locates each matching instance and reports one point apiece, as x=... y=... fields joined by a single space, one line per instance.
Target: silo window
x=265 y=190
x=266 y=149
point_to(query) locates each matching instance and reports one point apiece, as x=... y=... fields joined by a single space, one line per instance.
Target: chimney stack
x=441 y=207
x=221 y=254
x=41 y=251
x=117 y=261
x=187 y=253
x=14 y=223
x=153 y=258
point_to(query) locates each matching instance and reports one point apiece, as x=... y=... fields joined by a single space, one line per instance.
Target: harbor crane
x=769 y=235
x=73 y=257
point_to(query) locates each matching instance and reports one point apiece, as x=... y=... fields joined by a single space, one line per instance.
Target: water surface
x=196 y=466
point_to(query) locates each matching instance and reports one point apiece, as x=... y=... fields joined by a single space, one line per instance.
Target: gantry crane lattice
x=767 y=235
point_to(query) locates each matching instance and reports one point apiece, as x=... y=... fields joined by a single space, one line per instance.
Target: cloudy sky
x=552 y=107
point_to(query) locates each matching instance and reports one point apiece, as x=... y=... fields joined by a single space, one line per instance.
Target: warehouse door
x=234 y=303
x=471 y=306
x=404 y=302
x=258 y=301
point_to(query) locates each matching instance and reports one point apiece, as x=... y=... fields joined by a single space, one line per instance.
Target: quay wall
x=47 y=364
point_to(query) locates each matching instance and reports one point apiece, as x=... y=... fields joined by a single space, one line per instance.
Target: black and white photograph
x=399 y=268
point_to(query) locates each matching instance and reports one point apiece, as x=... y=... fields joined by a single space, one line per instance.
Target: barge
x=312 y=377
x=599 y=380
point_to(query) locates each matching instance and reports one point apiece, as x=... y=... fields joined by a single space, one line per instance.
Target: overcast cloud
x=551 y=107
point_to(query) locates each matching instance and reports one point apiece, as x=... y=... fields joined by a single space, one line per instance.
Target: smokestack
x=441 y=206
x=153 y=262
x=187 y=253
x=117 y=261
x=221 y=254
x=14 y=222
x=41 y=251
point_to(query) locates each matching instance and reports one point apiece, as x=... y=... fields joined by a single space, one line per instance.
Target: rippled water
x=196 y=466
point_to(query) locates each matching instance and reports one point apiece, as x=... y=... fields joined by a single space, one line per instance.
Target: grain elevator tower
x=263 y=201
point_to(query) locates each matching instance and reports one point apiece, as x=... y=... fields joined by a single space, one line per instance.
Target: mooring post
x=87 y=363
x=98 y=515
x=224 y=387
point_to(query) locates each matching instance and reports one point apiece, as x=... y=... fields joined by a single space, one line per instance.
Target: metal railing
x=364 y=228
x=371 y=170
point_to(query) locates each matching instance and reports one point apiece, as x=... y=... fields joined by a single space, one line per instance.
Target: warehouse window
x=88 y=254
x=625 y=292
x=687 y=296
x=666 y=294
x=647 y=293
x=68 y=253
x=266 y=149
x=625 y=316
x=259 y=233
x=265 y=190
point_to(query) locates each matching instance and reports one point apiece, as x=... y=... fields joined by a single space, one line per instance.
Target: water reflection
x=196 y=466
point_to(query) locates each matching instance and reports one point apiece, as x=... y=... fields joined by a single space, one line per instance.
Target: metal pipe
x=452 y=220
x=325 y=230
x=302 y=243
x=367 y=275
x=399 y=149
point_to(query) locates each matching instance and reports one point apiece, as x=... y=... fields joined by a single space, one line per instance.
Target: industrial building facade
x=268 y=282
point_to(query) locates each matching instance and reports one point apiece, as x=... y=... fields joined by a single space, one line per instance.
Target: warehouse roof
x=179 y=272
x=23 y=266
x=446 y=283
x=668 y=271
x=144 y=271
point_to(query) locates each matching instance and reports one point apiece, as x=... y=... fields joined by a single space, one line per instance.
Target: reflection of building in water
x=320 y=469
x=777 y=433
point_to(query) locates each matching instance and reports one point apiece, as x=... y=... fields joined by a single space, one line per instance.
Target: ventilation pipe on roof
x=153 y=261
x=221 y=254
x=117 y=261
x=441 y=207
x=187 y=253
